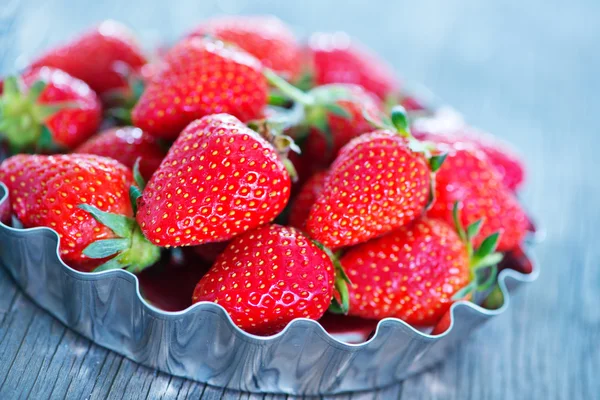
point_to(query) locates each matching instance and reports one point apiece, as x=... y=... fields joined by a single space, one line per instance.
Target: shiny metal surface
x=203 y=344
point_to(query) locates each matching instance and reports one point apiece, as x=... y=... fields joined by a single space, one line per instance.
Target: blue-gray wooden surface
x=526 y=70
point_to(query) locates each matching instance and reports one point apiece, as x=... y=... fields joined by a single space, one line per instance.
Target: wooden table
x=528 y=71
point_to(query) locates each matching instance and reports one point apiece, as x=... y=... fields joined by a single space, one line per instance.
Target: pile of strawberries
x=304 y=173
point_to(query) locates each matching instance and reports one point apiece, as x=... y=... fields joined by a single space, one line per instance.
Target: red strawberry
x=416 y=272
x=219 y=179
x=499 y=153
x=201 y=77
x=336 y=59
x=468 y=177
x=47 y=108
x=410 y=274
x=268 y=277
x=102 y=57
x=376 y=184
x=126 y=144
x=264 y=36
x=53 y=191
x=303 y=202
x=330 y=131
x=443 y=324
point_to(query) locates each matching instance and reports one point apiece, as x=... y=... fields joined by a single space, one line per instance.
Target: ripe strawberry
x=303 y=202
x=499 y=153
x=336 y=59
x=266 y=37
x=468 y=177
x=375 y=185
x=219 y=179
x=101 y=57
x=267 y=277
x=47 y=108
x=416 y=272
x=66 y=193
x=126 y=144
x=201 y=77
x=331 y=130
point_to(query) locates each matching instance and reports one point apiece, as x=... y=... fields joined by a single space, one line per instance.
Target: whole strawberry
x=304 y=200
x=201 y=77
x=219 y=179
x=467 y=176
x=499 y=153
x=47 y=109
x=267 y=277
x=375 y=185
x=336 y=59
x=416 y=272
x=266 y=37
x=101 y=57
x=126 y=144
x=84 y=198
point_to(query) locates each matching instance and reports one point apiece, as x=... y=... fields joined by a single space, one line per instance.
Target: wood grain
x=526 y=71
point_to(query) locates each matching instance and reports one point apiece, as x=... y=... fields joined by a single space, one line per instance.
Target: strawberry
x=337 y=59
x=201 y=77
x=416 y=272
x=377 y=183
x=126 y=144
x=218 y=180
x=468 y=177
x=101 y=57
x=499 y=153
x=267 y=277
x=303 y=202
x=443 y=324
x=74 y=194
x=47 y=109
x=266 y=37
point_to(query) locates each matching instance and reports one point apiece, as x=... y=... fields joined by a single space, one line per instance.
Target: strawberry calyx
x=130 y=250
x=23 y=118
x=483 y=261
x=317 y=103
x=340 y=304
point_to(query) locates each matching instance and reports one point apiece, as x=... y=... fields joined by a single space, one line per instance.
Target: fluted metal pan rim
x=218 y=309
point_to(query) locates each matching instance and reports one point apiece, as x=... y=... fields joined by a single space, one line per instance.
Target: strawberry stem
x=288 y=89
